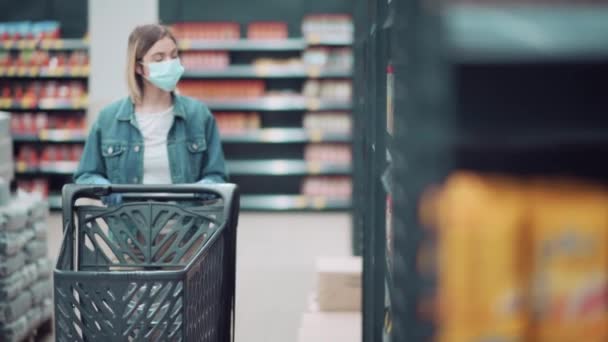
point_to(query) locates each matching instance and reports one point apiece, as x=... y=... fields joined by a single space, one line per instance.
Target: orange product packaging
x=482 y=254
x=570 y=262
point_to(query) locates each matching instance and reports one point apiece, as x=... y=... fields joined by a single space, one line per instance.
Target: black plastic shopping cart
x=159 y=267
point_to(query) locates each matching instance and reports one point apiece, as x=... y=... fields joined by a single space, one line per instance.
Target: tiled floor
x=275 y=271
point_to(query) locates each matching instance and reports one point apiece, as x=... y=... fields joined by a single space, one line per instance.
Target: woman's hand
x=112 y=200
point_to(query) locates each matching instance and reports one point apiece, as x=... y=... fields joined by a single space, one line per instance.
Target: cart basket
x=161 y=266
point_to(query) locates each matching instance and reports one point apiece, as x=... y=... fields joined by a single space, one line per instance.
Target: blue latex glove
x=112 y=200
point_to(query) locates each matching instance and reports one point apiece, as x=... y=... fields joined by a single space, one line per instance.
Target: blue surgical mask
x=165 y=74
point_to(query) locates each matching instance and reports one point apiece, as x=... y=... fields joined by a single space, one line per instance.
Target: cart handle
x=71 y=192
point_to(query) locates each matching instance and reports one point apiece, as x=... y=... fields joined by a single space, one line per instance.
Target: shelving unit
x=371 y=148
x=278 y=104
x=264 y=72
x=273 y=153
x=59 y=172
x=510 y=89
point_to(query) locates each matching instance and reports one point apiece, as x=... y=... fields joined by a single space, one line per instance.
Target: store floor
x=275 y=271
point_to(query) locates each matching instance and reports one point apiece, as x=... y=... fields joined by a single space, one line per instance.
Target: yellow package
x=482 y=253
x=569 y=283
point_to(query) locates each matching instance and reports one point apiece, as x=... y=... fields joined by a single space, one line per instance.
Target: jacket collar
x=126 y=111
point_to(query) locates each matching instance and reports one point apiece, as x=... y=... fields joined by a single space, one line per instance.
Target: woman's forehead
x=165 y=45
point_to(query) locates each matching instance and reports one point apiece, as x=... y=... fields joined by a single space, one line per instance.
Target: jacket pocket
x=113 y=155
x=196 y=156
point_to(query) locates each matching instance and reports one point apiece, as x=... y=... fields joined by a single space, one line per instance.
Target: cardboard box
x=339 y=283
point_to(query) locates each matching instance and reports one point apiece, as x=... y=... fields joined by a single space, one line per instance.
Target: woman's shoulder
x=192 y=108
x=121 y=107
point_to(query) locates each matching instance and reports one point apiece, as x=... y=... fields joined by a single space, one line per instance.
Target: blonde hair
x=140 y=41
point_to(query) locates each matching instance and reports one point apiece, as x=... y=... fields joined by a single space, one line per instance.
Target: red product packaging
x=267 y=30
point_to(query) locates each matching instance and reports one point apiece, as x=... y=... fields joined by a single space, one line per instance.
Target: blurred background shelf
x=291 y=44
x=58 y=136
x=50 y=44
x=523 y=33
x=265 y=72
x=292 y=202
x=283 y=135
x=278 y=104
x=65 y=168
x=277 y=167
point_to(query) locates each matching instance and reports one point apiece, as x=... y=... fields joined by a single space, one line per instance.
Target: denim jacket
x=113 y=152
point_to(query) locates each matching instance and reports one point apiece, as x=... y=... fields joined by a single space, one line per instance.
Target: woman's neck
x=154 y=100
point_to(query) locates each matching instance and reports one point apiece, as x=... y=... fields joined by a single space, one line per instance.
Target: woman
x=154 y=136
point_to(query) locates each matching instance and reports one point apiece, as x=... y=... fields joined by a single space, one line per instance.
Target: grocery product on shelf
x=569 y=223
x=29 y=30
x=205 y=60
x=35 y=123
x=213 y=90
x=207 y=30
x=32 y=93
x=482 y=258
x=328 y=153
x=267 y=30
x=230 y=123
x=331 y=122
x=330 y=187
x=61 y=157
x=38 y=186
x=327 y=89
x=33 y=63
x=522 y=259
x=318 y=27
x=25 y=291
x=330 y=58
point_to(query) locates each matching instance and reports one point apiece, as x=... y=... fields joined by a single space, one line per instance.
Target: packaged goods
x=41 y=290
x=482 y=278
x=570 y=263
x=267 y=30
x=13 y=242
x=10 y=264
x=13 y=309
x=12 y=285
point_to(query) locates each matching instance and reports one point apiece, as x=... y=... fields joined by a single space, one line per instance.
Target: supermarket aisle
x=275 y=268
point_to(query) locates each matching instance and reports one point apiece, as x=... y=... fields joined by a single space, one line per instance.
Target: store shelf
x=284 y=167
x=524 y=33
x=51 y=45
x=63 y=105
x=328 y=41
x=283 y=103
x=52 y=135
x=265 y=72
x=55 y=202
x=243 y=45
x=38 y=73
x=284 y=135
x=292 y=202
x=51 y=168
x=292 y=44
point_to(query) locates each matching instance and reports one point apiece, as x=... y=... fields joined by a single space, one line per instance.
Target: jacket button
x=194 y=146
x=110 y=149
x=136 y=148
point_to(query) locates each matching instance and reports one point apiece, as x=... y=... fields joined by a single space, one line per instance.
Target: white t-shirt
x=154 y=128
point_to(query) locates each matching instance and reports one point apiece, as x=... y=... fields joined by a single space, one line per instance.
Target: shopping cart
x=159 y=267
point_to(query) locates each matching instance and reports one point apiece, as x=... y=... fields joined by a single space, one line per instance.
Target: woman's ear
x=139 y=69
